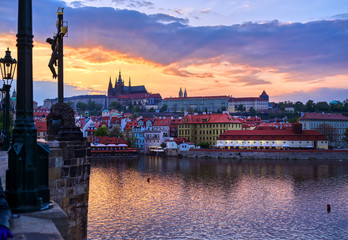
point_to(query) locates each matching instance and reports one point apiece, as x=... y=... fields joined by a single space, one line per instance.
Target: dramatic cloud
x=249 y=80
x=319 y=48
x=186 y=74
x=133 y=4
x=317 y=95
x=248 y=54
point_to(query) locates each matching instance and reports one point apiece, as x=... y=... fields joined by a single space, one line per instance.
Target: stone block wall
x=69 y=170
x=271 y=155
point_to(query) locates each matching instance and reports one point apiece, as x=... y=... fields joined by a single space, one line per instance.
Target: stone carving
x=61 y=123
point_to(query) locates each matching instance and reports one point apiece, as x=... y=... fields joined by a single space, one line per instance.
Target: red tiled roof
x=134 y=96
x=276 y=134
x=40 y=114
x=115 y=120
x=130 y=125
x=205 y=97
x=155 y=95
x=208 y=118
x=248 y=99
x=269 y=126
x=161 y=122
x=323 y=116
x=110 y=140
x=41 y=126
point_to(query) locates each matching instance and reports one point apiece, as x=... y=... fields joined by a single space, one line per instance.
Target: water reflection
x=217 y=199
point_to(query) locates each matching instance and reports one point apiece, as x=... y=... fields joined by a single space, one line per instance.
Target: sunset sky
x=293 y=49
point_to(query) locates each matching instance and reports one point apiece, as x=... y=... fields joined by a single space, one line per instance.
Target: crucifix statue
x=57 y=53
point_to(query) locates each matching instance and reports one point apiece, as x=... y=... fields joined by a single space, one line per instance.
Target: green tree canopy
x=81 y=106
x=322 y=107
x=115 y=105
x=163 y=108
x=310 y=106
x=252 y=111
x=203 y=145
x=299 y=107
x=116 y=132
x=101 y=131
x=240 y=108
x=345 y=138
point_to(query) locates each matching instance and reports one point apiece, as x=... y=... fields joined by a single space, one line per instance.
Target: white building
x=319 y=121
x=258 y=103
x=294 y=138
x=152 y=139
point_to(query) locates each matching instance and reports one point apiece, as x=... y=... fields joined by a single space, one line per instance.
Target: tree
x=190 y=110
x=252 y=111
x=345 y=138
x=116 y=106
x=163 y=108
x=163 y=145
x=131 y=140
x=281 y=106
x=329 y=132
x=310 y=106
x=299 y=107
x=203 y=145
x=2 y=119
x=240 y=108
x=152 y=109
x=293 y=120
x=101 y=131
x=81 y=106
x=322 y=107
x=336 y=107
x=116 y=132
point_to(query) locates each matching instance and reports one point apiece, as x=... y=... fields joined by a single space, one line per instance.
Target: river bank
x=268 y=154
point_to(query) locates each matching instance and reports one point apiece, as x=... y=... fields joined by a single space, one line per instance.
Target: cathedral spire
x=129 y=82
x=110 y=87
x=119 y=77
x=180 y=93
x=185 y=93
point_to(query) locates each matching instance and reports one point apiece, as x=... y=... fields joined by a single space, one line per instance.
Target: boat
x=156 y=151
x=111 y=150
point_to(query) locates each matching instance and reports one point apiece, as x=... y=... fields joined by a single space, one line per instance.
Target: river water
x=181 y=198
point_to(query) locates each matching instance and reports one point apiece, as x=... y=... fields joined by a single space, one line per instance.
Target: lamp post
x=27 y=174
x=8 y=68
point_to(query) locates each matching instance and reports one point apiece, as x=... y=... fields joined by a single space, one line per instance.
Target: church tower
x=180 y=93
x=185 y=93
x=119 y=85
x=110 y=90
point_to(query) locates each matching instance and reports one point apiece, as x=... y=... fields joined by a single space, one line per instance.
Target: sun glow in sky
x=293 y=50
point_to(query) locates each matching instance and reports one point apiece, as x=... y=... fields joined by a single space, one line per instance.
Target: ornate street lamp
x=27 y=174
x=8 y=68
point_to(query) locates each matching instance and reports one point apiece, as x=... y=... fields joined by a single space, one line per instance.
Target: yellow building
x=206 y=128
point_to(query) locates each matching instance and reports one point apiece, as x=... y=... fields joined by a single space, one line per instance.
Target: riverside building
x=331 y=124
x=206 y=128
x=286 y=138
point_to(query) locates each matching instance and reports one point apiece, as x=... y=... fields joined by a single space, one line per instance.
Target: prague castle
x=120 y=89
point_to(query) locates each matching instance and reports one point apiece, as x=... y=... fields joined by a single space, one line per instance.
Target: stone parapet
x=69 y=170
x=269 y=154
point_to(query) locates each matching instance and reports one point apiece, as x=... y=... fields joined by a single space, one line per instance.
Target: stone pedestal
x=49 y=224
x=69 y=170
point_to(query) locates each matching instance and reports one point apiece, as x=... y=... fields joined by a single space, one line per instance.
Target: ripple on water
x=191 y=199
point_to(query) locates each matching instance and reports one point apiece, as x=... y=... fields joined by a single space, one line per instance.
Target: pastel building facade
x=337 y=122
x=200 y=104
x=199 y=128
x=293 y=138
